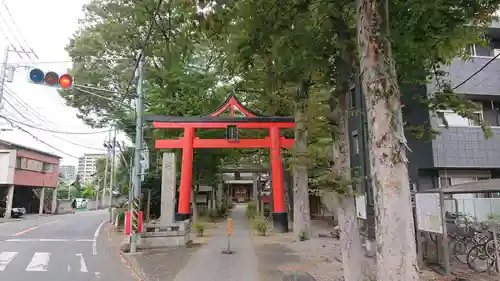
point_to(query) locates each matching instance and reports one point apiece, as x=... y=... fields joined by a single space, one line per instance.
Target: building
x=27 y=177
x=68 y=171
x=460 y=153
x=87 y=165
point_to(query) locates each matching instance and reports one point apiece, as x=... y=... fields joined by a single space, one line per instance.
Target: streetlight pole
x=137 y=154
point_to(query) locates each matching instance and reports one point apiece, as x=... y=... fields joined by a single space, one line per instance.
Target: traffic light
x=51 y=78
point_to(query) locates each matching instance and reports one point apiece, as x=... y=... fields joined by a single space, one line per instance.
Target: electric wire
x=36 y=138
x=14 y=35
x=9 y=92
x=52 y=131
x=19 y=31
x=145 y=44
x=58 y=137
x=475 y=73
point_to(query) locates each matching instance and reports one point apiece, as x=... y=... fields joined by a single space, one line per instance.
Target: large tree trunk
x=352 y=251
x=301 y=212
x=395 y=234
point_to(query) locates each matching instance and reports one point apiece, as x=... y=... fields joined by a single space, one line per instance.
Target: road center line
x=49 y=240
x=34 y=227
x=96 y=235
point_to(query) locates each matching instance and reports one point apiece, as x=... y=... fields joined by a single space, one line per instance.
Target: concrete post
x=10 y=197
x=220 y=190
x=213 y=199
x=42 y=199
x=168 y=187
x=53 y=208
x=255 y=191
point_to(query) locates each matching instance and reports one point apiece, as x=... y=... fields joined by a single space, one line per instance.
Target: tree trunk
x=301 y=212
x=395 y=234
x=352 y=251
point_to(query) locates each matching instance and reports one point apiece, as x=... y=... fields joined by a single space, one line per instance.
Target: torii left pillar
x=184 y=212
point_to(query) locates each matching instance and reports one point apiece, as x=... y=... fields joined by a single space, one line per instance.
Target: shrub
x=260 y=224
x=251 y=211
x=230 y=205
x=121 y=217
x=200 y=228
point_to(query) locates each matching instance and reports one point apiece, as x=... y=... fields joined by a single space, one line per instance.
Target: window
x=452 y=119
x=355 y=143
x=490 y=50
x=18 y=163
x=49 y=168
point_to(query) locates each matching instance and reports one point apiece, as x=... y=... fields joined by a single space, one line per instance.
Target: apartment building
x=68 y=171
x=460 y=153
x=87 y=165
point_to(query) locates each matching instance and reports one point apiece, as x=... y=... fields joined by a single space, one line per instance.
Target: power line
x=475 y=73
x=36 y=138
x=145 y=44
x=28 y=108
x=52 y=131
x=13 y=35
x=59 y=137
x=18 y=30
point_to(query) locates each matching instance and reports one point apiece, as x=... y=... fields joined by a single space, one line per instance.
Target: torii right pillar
x=280 y=217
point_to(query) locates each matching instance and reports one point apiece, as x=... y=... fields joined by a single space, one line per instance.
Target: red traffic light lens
x=66 y=81
x=51 y=78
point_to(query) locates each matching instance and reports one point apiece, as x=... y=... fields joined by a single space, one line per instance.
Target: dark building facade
x=460 y=152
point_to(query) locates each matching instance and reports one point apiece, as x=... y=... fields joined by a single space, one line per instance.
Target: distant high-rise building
x=87 y=165
x=68 y=171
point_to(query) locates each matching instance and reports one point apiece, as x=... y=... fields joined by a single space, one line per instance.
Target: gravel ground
x=320 y=257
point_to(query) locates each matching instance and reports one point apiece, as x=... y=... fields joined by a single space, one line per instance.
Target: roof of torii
x=230 y=103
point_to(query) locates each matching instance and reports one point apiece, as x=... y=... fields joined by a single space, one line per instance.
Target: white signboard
x=429 y=212
x=361 y=206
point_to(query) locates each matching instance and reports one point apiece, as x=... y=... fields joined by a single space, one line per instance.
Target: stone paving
x=209 y=264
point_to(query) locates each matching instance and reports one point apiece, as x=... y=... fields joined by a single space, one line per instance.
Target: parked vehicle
x=15 y=213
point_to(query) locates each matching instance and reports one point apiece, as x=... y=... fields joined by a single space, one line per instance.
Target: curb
x=128 y=262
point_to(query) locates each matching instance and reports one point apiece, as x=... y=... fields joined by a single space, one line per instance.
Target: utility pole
x=106 y=167
x=4 y=72
x=137 y=154
x=112 y=178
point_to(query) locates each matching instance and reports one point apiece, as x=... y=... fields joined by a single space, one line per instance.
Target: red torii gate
x=214 y=121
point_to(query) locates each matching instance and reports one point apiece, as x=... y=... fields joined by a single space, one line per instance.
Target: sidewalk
x=209 y=264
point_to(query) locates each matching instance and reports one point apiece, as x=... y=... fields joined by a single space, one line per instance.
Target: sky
x=47 y=30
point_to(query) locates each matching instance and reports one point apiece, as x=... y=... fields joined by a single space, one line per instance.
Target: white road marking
x=49 y=240
x=83 y=265
x=6 y=258
x=96 y=234
x=39 y=262
x=69 y=268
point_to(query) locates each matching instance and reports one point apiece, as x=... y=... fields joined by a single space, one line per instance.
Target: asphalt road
x=60 y=247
